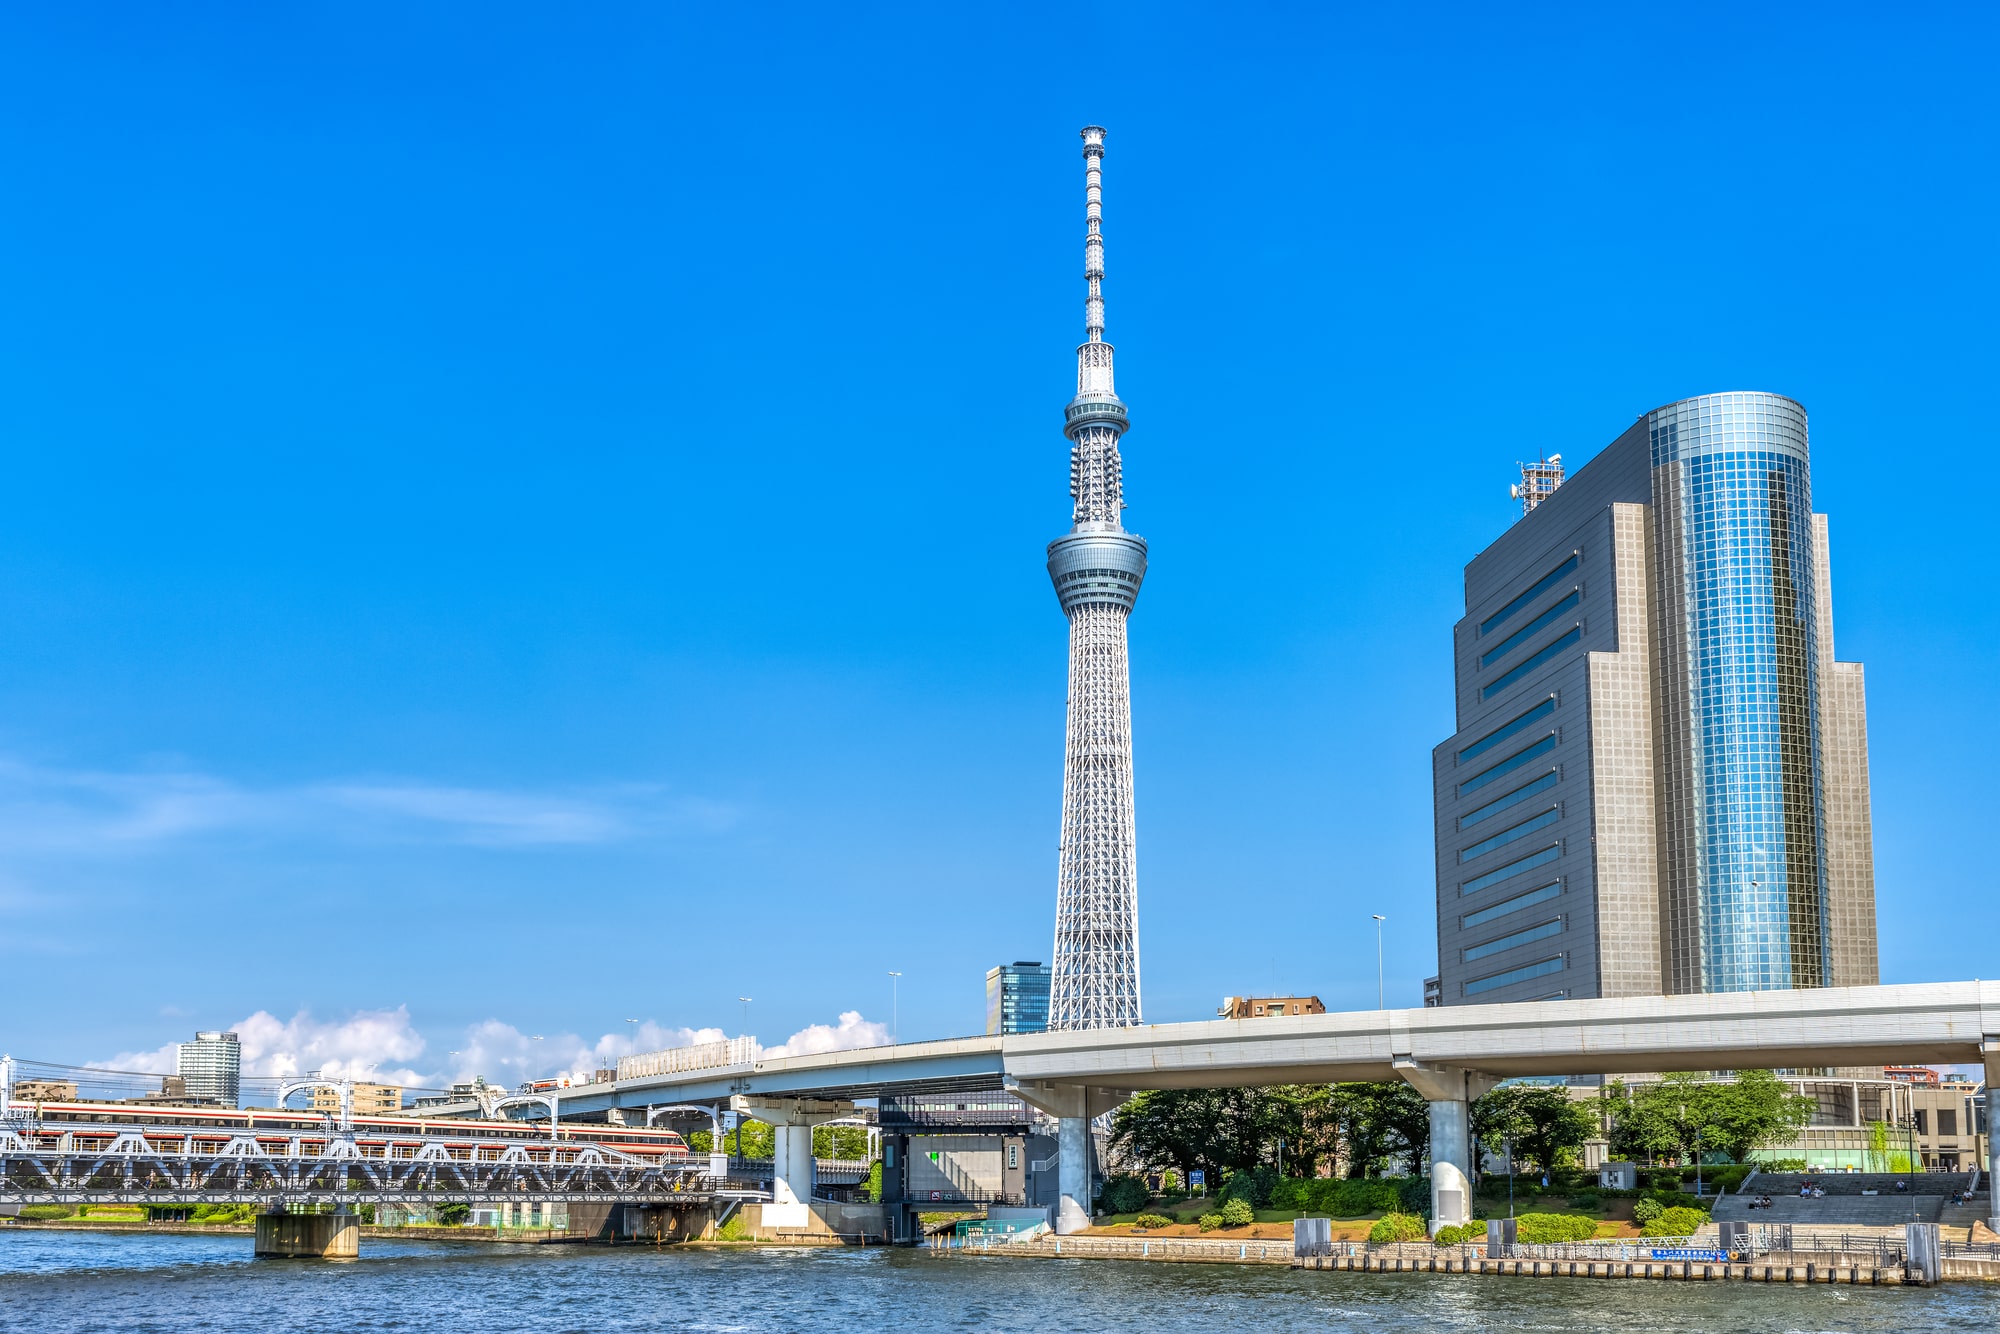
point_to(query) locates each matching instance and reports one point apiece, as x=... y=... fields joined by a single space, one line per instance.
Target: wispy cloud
x=75 y=812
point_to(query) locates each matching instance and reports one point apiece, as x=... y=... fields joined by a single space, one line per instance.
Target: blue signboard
x=1197 y=1177
x=1690 y=1253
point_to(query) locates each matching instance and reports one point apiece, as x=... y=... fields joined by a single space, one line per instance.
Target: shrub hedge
x=1236 y=1213
x=1152 y=1220
x=1397 y=1227
x=1451 y=1234
x=1125 y=1194
x=1342 y=1198
x=1542 y=1229
x=1674 y=1223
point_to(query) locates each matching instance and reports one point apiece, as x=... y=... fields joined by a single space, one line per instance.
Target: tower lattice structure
x=1097 y=568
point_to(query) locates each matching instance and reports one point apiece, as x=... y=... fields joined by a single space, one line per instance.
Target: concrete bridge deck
x=1450 y=1054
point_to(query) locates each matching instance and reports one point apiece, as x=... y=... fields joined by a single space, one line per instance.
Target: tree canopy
x=1686 y=1114
x=1360 y=1126
x=1543 y=1125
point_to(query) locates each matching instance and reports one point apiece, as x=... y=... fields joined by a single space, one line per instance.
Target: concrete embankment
x=1188 y=1250
x=1769 y=1269
x=1819 y=1267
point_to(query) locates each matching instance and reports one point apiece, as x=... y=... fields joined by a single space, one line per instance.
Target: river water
x=71 y=1281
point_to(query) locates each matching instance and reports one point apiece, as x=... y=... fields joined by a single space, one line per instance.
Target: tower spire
x=1097 y=568
x=1093 y=358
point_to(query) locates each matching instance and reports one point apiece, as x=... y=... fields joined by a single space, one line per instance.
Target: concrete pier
x=311 y=1236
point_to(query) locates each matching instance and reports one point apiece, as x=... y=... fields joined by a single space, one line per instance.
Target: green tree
x=1754 y=1110
x=1215 y=1130
x=1686 y=1114
x=849 y=1143
x=1174 y=1127
x=1385 y=1121
x=1542 y=1123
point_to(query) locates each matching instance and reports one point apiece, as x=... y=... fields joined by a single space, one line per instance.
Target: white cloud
x=852 y=1031
x=75 y=812
x=384 y=1046
x=505 y=1055
x=374 y=1045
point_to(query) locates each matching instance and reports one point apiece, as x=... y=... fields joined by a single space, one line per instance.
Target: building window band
x=1520 y=901
x=1511 y=833
x=1540 y=968
x=1528 y=664
x=1511 y=869
x=1508 y=765
x=1520 y=636
x=1511 y=727
x=1539 y=931
x=1518 y=795
x=1541 y=586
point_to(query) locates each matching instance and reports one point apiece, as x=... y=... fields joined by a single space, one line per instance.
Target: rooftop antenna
x=1539 y=481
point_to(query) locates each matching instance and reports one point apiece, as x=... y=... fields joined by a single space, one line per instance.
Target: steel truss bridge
x=155 y=1166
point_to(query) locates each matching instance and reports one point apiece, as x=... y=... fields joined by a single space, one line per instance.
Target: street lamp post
x=895 y=1008
x=1381 y=995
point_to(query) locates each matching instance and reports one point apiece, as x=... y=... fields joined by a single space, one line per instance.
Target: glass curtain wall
x=1753 y=882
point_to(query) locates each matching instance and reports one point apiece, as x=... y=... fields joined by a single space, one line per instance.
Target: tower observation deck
x=1097 y=568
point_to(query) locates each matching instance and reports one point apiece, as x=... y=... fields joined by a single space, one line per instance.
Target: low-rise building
x=369 y=1099
x=44 y=1090
x=1258 y=1007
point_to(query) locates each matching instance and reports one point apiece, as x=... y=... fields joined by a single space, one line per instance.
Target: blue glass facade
x=1738 y=550
x=1017 y=998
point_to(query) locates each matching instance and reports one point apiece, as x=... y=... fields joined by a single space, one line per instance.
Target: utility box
x=1618 y=1176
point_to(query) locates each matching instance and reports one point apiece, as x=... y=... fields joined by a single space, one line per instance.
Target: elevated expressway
x=1451 y=1055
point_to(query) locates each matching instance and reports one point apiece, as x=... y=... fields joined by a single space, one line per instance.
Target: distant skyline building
x=1659 y=784
x=211 y=1067
x=1097 y=569
x=1017 y=998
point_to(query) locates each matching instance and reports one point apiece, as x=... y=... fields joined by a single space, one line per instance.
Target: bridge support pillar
x=1074 y=1106
x=1989 y=1049
x=1450 y=1092
x=310 y=1236
x=792 y=1165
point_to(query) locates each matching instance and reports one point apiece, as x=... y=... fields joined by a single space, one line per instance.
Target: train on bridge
x=84 y=1127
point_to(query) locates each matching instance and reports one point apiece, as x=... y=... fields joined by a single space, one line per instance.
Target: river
x=70 y=1281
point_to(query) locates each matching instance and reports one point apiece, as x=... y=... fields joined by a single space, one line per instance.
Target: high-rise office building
x=1097 y=568
x=211 y=1067
x=1017 y=998
x=1659 y=782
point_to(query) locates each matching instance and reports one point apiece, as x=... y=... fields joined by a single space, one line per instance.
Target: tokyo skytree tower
x=1097 y=568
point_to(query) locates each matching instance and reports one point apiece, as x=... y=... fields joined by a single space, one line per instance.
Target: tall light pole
x=1381 y=994
x=895 y=1008
x=745 y=1000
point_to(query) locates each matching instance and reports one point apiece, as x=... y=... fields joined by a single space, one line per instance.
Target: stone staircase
x=1846 y=1203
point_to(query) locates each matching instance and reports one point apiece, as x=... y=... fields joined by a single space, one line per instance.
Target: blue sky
x=518 y=521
